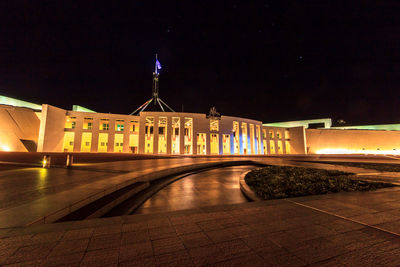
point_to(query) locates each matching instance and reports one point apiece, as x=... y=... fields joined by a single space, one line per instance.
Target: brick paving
x=328 y=230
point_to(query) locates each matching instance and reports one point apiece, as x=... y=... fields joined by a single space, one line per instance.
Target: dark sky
x=266 y=60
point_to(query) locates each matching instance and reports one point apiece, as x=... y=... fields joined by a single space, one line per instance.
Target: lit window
x=278 y=135
x=271 y=133
x=119 y=125
x=87 y=123
x=214 y=125
x=287 y=136
x=134 y=126
x=70 y=122
x=104 y=124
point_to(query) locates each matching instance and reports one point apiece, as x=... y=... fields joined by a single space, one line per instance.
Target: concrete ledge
x=96 y=191
x=246 y=190
x=103 y=210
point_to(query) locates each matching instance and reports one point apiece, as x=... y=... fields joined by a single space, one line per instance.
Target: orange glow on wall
x=357 y=151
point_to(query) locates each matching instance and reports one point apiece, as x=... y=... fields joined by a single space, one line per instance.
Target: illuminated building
x=44 y=128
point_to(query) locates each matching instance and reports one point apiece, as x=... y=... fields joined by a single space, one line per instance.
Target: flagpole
x=156 y=65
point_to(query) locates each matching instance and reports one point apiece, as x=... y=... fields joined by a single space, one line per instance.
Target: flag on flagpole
x=158 y=64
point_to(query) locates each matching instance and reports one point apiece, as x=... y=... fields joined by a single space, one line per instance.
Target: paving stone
x=179 y=258
x=66 y=259
x=233 y=248
x=187 y=228
x=220 y=235
x=342 y=226
x=195 y=240
x=160 y=222
x=376 y=218
x=101 y=257
x=133 y=227
x=280 y=257
x=162 y=232
x=283 y=239
x=209 y=225
x=391 y=226
x=140 y=262
x=206 y=255
x=107 y=230
x=229 y=222
x=261 y=241
x=317 y=250
x=32 y=263
x=15 y=240
x=31 y=252
x=242 y=231
x=46 y=237
x=250 y=259
x=69 y=247
x=355 y=211
x=134 y=251
x=105 y=241
x=134 y=237
x=6 y=252
x=167 y=245
x=78 y=234
x=310 y=232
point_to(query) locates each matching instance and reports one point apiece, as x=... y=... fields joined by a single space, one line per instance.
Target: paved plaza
x=330 y=230
x=359 y=228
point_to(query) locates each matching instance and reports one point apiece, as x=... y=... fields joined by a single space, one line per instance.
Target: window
x=87 y=123
x=287 y=136
x=214 y=125
x=175 y=138
x=264 y=131
x=134 y=126
x=188 y=136
x=104 y=125
x=118 y=142
x=271 y=133
x=119 y=125
x=278 y=134
x=103 y=142
x=70 y=122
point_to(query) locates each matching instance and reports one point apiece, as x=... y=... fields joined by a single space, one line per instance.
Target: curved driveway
x=207 y=188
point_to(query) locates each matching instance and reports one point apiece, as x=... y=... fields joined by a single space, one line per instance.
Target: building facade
x=45 y=128
x=160 y=133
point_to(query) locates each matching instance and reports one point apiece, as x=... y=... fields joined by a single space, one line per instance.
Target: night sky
x=265 y=60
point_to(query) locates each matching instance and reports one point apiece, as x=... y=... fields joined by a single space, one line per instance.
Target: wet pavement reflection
x=208 y=188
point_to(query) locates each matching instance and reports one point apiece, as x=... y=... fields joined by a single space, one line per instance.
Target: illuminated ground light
x=356 y=151
x=5 y=148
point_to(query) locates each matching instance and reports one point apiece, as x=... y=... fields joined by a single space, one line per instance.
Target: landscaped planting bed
x=274 y=182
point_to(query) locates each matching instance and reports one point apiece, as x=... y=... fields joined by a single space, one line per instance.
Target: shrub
x=273 y=182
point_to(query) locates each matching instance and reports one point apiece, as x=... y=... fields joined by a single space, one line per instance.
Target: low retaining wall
x=61 y=212
x=246 y=190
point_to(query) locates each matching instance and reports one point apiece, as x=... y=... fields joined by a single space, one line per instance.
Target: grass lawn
x=385 y=167
x=274 y=182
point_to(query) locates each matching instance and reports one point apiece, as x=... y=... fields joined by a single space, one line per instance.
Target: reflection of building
x=45 y=128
